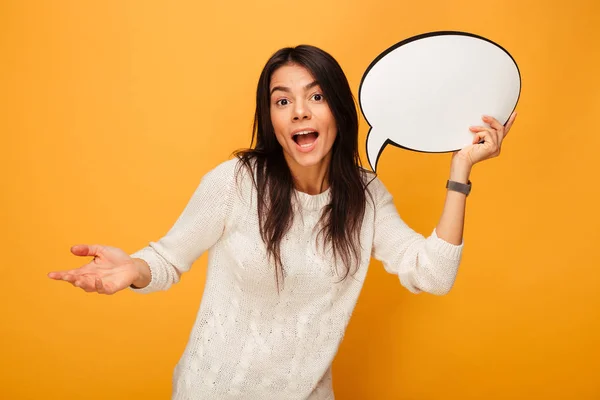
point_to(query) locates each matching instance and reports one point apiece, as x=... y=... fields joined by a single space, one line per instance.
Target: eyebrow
x=287 y=89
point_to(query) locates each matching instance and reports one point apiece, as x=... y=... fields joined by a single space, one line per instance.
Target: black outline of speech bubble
x=402 y=43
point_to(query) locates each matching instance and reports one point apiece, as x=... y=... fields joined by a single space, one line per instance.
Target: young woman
x=290 y=226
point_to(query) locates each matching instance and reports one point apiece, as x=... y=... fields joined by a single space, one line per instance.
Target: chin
x=307 y=163
x=308 y=160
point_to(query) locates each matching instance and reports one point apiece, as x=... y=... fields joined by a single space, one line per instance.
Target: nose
x=301 y=111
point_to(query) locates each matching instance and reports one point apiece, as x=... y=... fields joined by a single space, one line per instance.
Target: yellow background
x=111 y=112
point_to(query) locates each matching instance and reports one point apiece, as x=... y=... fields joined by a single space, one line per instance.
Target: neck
x=311 y=180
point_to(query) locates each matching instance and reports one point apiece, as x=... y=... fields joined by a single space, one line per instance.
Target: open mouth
x=305 y=139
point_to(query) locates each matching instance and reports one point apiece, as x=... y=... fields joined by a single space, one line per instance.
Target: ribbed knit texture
x=250 y=341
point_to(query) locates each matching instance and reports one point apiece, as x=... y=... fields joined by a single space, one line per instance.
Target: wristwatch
x=459 y=187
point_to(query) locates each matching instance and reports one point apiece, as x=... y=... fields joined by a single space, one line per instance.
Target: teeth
x=303 y=133
x=306 y=145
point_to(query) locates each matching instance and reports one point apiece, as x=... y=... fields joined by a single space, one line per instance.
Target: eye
x=317 y=97
x=282 y=102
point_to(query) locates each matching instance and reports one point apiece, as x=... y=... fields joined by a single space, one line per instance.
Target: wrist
x=460 y=170
x=142 y=273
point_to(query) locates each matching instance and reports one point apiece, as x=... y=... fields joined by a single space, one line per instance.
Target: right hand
x=111 y=270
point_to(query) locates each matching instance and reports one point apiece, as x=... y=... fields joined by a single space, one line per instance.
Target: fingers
x=89 y=283
x=484 y=132
x=74 y=277
x=78 y=250
x=104 y=288
x=490 y=139
x=84 y=250
x=69 y=275
x=55 y=275
x=85 y=286
x=497 y=128
x=501 y=129
x=85 y=282
x=86 y=277
x=92 y=284
x=99 y=285
x=78 y=278
x=478 y=138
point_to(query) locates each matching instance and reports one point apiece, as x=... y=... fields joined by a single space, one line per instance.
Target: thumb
x=84 y=250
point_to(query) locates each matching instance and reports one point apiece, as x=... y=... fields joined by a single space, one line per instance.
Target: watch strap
x=459 y=187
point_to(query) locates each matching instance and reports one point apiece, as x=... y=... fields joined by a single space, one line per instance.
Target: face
x=303 y=123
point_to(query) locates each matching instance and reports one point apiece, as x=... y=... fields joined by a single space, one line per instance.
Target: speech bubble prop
x=423 y=93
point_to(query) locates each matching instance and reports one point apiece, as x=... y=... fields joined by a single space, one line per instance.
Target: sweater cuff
x=143 y=254
x=445 y=249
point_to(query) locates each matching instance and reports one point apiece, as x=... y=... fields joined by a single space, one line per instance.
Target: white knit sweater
x=251 y=342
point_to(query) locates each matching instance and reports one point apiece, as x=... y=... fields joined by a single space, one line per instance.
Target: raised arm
x=487 y=144
x=431 y=264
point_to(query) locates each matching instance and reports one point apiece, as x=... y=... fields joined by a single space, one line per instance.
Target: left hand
x=491 y=136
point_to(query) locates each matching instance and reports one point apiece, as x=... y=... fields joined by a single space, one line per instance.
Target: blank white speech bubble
x=423 y=93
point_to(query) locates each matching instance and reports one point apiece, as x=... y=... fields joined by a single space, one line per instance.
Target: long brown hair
x=342 y=218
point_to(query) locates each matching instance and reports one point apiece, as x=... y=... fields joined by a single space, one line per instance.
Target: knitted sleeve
x=198 y=227
x=422 y=264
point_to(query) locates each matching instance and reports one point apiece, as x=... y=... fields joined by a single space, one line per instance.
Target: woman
x=291 y=228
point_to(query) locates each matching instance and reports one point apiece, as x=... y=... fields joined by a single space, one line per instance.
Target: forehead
x=292 y=76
